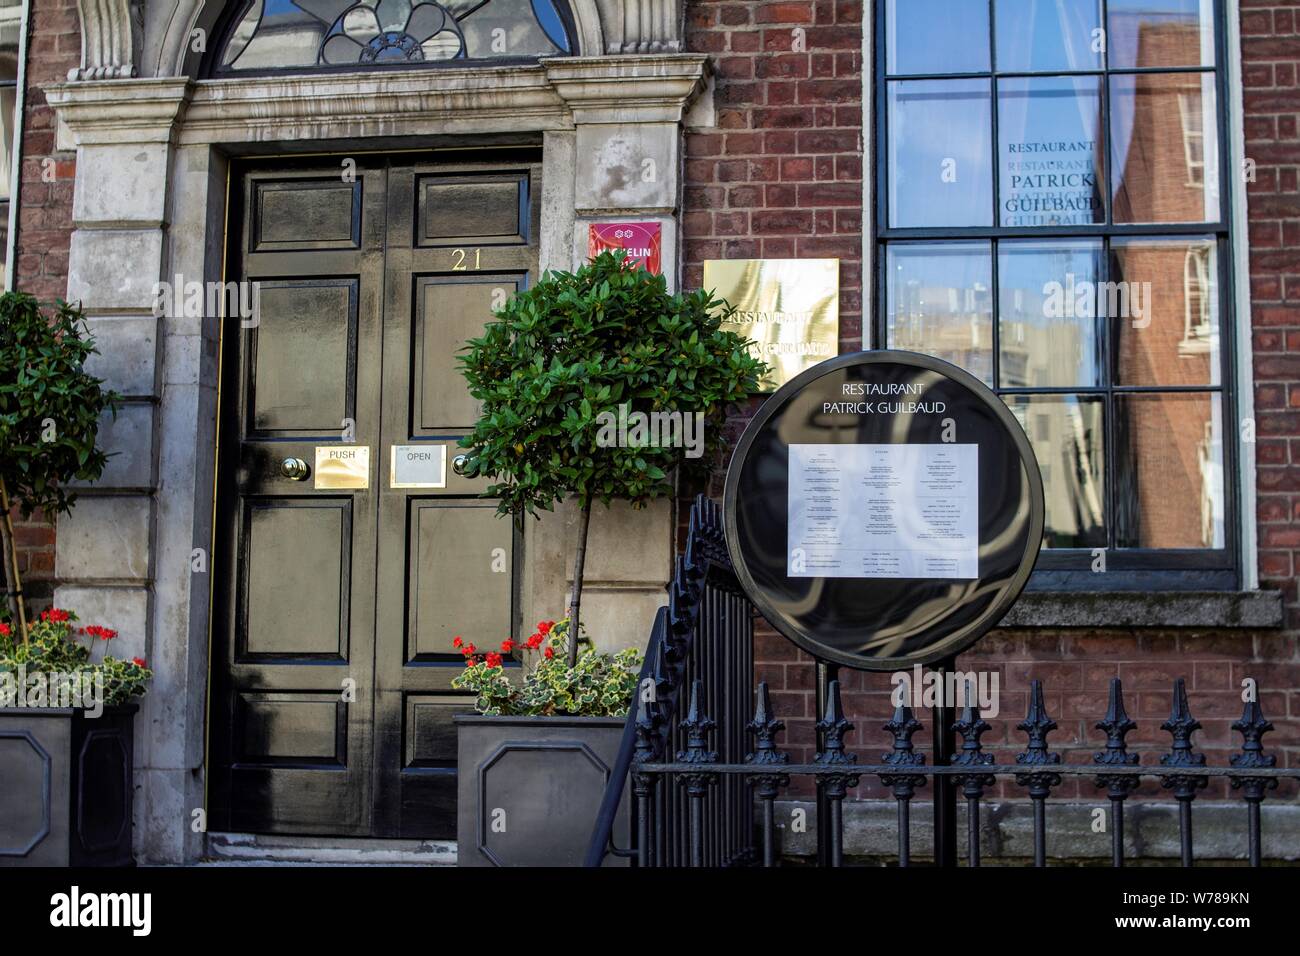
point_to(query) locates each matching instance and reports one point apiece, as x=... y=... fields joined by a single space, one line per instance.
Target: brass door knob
x=295 y=469
x=460 y=465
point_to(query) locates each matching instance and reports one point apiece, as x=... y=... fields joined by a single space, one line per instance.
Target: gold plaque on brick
x=342 y=466
x=788 y=308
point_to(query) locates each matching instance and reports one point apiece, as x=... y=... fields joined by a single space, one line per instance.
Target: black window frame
x=1070 y=569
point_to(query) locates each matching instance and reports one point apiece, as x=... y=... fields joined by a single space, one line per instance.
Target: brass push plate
x=788 y=308
x=418 y=466
x=342 y=466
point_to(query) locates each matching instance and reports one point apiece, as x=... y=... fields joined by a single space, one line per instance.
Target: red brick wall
x=44 y=222
x=781 y=175
x=752 y=189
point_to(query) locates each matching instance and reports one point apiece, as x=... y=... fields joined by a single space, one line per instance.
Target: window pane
x=1170 y=471
x=939 y=153
x=1043 y=35
x=1160 y=33
x=1068 y=438
x=937 y=36
x=1164 y=148
x=1163 y=305
x=1047 y=320
x=939 y=301
x=276 y=34
x=1051 y=164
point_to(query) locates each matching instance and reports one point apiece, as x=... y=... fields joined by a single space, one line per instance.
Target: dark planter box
x=65 y=799
x=530 y=788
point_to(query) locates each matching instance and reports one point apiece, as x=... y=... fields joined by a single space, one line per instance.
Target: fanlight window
x=302 y=34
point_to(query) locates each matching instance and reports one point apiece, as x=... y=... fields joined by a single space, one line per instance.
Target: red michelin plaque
x=640 y=240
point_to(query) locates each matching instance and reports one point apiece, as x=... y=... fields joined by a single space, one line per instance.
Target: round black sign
x=884 y=509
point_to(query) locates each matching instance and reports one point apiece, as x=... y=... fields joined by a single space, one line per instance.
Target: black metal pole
x=945 y=791
x=826 y=672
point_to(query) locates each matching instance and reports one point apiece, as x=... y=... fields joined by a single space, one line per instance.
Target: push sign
x=884 y=509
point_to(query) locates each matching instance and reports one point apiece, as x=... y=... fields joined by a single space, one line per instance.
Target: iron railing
x=703 y=637
x=694 y=804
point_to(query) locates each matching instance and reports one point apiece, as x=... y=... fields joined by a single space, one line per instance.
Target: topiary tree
x=49 y=418
x=581 y=376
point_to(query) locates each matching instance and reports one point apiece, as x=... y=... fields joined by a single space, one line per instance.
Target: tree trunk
x=575 y=600
x=14 y=591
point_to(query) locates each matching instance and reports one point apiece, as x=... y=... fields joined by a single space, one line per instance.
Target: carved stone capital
x=111 y=32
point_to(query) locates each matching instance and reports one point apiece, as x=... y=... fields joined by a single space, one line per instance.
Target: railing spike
x=1037 y=725
x=972 y=726
x=1183 y=760
x=1117 y=726
x=1252 y=727
x=833 y=727
x=766 y=786
x=1181 y=725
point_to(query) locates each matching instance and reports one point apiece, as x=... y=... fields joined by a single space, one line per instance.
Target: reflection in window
x=916 y=45
x=1047 y=313
x=1042 y=35
x=1152 y=116
x=940 y=301
x=1050 y=160
x=1145 y=33
x=1068 y=438
x=287 y=34
x=11 y=25
x=1170 y=457
x=940 y=132
x=1107 y=338
x=1165 y=317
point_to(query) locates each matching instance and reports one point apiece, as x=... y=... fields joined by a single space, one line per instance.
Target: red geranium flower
x=544 y=627
x=548 y=653
x=493 y=659
x=139 y=662
x=534 y=642
x=4 y=629
x=507 y=646
x=456 y=641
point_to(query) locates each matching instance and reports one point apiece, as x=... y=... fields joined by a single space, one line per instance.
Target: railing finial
x=1117 y=726
x=1252 y=727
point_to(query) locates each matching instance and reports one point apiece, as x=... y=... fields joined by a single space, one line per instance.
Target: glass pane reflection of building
x=1108 y=340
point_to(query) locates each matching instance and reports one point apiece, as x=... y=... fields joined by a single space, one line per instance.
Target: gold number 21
x=459 y=256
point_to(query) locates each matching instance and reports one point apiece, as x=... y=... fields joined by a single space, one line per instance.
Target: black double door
x=349 y=553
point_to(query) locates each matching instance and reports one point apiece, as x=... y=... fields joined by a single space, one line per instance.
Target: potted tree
x=65 y=722
x=596 y=385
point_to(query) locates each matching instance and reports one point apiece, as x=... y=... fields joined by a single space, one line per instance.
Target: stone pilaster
x=114 y=565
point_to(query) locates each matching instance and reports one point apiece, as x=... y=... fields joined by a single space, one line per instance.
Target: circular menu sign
x=884 y=509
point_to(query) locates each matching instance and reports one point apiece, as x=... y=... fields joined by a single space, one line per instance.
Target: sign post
x=884 y=510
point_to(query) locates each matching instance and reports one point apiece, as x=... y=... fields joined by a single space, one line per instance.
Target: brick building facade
x=781 y=166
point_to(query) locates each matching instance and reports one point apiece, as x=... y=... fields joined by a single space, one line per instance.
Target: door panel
x=300 y=547
x=450 y=310
x=336 y=608
x=447 y=562
x=296 y=318
x=440 y=578
x=294 y=621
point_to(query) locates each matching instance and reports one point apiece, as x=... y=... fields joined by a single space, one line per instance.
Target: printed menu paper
x=883 y=511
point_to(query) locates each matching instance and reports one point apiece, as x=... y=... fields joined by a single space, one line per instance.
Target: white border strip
x=1239 y=240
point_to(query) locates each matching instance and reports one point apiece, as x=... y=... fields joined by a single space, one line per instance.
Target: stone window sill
x=1221 y=610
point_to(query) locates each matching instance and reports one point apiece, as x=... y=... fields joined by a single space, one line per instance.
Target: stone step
x=253 y=849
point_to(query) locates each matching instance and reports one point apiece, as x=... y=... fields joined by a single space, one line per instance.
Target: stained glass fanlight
x=305 y=34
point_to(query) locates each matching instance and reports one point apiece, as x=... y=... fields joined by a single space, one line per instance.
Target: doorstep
x=253 y=849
